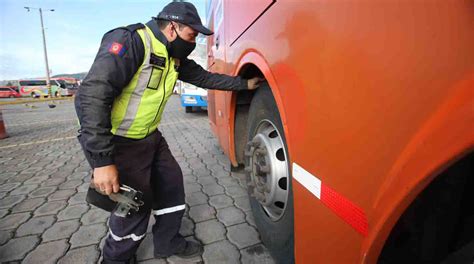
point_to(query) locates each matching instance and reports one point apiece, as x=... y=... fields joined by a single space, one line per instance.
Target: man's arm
x=120 y=55
x=193 y=73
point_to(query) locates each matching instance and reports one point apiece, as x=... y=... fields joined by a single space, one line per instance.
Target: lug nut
x=265 y=169
x=255 y=143
x=260 y=197
x=261 y=151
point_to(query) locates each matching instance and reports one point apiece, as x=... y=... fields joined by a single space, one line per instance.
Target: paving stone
x=210 y=231
x=221 y=252
x=193 y=187
x=6 y=176
x=153 y=261
x=196 y=198
x=5 y=236
x=202 y=212
x=236 y=191
x=187 y=227
x=95 y=216
x=257 y=254
x=213 y=189
x=88 y=235
x=13 y=221
x=24 y=189
x=201 y=172
x=249 y=218
x=83 y=187
x=228 y=182
x=6 y=187
x=2 y=195
x=20 y=178
x=221 y=174
x=61 y=195
x=28 y=205
x=215 y=167
x=243 y=203
x=70 y=184
x=31 y=169
x=47 y=253
x=83 y=168
x=220 y=201
x=36 y=180
x=43 y=191
x=190 y=179
x=79 y=175
x=178 y=260
x=78 y=198
x=10 y=201
x=73 y=212
x=83 y=255
x=3 y=213
x=35 y=225
x=53 y=181
x=145 y=251
x=17 y=248
x=50 y=208
x=207 y=180
x=243 y=235
x=230 y=216
x=61 y=230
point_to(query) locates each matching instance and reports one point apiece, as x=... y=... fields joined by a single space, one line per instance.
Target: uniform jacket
x=111 y=71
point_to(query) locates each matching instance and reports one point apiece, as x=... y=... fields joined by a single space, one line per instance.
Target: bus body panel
x=37 y=88
x=376 y=99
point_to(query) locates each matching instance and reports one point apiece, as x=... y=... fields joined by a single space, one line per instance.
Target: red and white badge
x=116 y=48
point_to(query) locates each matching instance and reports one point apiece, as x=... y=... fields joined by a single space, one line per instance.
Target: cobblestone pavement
x=44 y=176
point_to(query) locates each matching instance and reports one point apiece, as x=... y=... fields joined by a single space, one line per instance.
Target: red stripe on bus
x=345 y=209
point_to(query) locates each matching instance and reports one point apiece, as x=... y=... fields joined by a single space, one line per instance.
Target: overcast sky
x=73 y=32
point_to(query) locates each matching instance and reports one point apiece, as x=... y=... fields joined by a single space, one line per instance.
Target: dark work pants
x=147 y=165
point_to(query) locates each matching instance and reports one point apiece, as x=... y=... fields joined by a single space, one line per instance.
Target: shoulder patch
x=117 y=49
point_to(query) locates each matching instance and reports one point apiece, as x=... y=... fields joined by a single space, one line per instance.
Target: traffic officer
x=120 y=104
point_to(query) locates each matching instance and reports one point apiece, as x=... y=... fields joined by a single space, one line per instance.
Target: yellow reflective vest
x=137 y=111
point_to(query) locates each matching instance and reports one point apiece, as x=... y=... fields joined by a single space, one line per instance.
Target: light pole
x=48 y=81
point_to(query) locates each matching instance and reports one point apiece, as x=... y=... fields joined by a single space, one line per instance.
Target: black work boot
x=191 y=250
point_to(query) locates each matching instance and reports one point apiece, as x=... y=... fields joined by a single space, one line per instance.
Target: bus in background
x=359 y=145
x=193 y=97
x=68 y=85
x=38 y=88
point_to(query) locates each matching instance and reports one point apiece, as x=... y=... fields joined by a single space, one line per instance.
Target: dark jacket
x=110 y=73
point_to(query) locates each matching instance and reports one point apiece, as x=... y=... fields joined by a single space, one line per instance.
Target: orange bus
x=358 y=148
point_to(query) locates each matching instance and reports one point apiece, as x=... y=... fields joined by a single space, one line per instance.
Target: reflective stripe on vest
x=137 y=111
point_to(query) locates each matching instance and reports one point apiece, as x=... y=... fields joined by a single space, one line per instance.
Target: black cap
x=184 y=13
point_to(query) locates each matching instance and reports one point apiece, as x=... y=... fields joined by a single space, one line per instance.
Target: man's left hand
x=254 y=83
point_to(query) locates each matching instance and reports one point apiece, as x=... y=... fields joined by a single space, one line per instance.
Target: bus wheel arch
x=437 y=225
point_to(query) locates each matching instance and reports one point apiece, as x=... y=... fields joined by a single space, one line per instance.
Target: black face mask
x=180 y=48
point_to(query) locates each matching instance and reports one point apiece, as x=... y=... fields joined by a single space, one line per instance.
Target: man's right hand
x=106 y=179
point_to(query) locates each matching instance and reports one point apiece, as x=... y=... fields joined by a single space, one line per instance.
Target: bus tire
x=188 y=109
x=33 y=95
x=276 y=229
x=56 y=94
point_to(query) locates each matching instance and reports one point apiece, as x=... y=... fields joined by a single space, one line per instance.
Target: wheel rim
x=268 y=168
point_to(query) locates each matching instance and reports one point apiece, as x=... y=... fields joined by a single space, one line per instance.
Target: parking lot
x=44 y=177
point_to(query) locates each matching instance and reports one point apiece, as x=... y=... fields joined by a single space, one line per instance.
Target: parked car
x=9 y=92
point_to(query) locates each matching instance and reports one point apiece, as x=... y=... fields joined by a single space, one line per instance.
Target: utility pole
x=48 y=79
